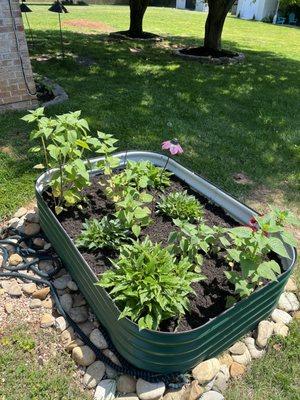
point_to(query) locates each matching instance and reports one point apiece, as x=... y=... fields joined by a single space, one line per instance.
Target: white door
x=180 y=4
x=249 y=9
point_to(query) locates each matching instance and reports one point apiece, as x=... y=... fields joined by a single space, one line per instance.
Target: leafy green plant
x=191 y=240
x=139 y=175
x=132 y=212
x=148 y=284
x=104 y=233
x=65 y=143
x=249 y=247
x=106 y=145
x=181 y=205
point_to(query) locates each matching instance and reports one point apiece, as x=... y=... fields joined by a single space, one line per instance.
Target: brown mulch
x=84 y=23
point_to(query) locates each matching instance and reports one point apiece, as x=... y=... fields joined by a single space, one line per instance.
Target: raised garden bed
x=212 y=328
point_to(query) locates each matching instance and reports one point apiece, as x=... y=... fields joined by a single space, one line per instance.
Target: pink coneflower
x=173 y=146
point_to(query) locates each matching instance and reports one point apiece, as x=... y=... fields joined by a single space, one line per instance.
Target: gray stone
x=149 y=391
x=110 y=373
x=254 y=351
x=238 y=348
x=98 y=339
x=108 y=353
x=264 y=332
x=14 y=290
x=78 y=300
x=86 y=327
x=72 y=286
x=291 y=286
x=46 y=266
x=61 y=282
x=31 y=228
x=281 y=316
x=35 y=303
x=126 y=384
x=47 y=320
x=206 y=370
x=29 y=288
x=20 y=212
x=212 y=395
x=33 y=216
x=105 y=390
x=67 y=336
x=83 y=355
x=94 y=374
x=66 y=302
x=244 y=358
x=61 y=324
x=39 y=242
x=281 y=329
x=79 y=314
x=128 y=396
x=13 y=222
x=221 y=380
x=288 y=302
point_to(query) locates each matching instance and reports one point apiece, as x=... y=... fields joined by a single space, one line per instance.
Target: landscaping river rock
x=209 y=379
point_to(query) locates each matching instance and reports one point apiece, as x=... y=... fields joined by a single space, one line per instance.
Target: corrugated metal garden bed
x=155 y=350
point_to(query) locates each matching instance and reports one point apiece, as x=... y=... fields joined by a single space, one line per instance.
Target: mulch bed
x=210 y=295
x=204 y=52
x=146 y=36
x=43 y=93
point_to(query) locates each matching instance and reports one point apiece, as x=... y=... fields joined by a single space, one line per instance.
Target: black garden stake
x=59 y=8
x=24 y=10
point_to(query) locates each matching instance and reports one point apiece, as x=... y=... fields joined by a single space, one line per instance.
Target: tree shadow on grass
x=229 y=119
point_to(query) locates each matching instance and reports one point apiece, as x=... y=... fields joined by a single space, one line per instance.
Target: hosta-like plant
x=181 y=206
x=249 y=247
x=104 y=233
x=148 y=284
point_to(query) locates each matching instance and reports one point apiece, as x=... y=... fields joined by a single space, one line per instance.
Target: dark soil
x=43 y=94
x=130 y=35
x=205 y=52
x=210 y=295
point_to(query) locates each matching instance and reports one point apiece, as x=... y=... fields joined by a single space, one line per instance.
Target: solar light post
x=24 y=10
x=59 y=8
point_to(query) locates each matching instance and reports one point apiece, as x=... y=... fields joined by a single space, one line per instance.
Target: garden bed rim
x=41 y=184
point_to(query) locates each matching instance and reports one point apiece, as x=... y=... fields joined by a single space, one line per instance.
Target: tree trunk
x=217 y=13
x=137 y=11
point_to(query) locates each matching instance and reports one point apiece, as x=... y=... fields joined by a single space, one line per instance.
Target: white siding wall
x=247 y=9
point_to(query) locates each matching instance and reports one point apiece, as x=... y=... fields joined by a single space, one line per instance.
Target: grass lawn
x=229 y=119
x=31 y=368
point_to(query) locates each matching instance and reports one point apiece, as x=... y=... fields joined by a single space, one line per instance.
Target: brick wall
x=13 y=90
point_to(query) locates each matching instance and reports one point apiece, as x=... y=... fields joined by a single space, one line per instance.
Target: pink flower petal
x=173 y=150
x=166 y=145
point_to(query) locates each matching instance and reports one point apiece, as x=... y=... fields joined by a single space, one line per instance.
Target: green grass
x=228 y=119
x=24 y=377
x=241 y=118
x=276 y=376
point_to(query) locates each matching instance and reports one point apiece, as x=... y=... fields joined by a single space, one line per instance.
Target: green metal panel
x=160 y=351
